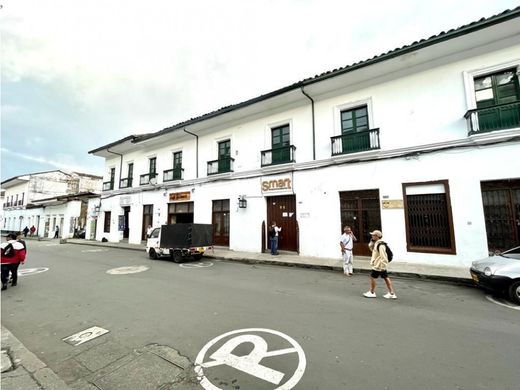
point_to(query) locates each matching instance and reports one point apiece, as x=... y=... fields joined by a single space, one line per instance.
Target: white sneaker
x=369 y=294
x=390 y=296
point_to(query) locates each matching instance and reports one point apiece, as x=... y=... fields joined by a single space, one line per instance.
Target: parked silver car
x=499 y=273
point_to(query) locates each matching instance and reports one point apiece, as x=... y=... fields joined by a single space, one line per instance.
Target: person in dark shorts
x=379 y=262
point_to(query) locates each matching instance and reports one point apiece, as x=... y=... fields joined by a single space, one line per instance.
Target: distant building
x=49 y=199
x=421 y=142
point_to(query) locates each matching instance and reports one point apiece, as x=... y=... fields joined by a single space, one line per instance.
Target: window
x=429 y=224
x=354 y=120
x=177 y=160
x=224 y=154
x=494 y=98
x=112 y=176
x=106 y=226
x=152 y=165
x=130 y=171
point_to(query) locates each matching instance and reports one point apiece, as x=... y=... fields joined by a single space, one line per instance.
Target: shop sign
x=176 y=196
x=277 y=184
x=392 y=204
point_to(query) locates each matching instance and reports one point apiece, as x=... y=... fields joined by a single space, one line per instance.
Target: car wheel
x=514 y=292
x=152 y=254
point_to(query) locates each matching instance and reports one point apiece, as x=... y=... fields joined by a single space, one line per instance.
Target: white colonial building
x=49 y=199
x=422 y=142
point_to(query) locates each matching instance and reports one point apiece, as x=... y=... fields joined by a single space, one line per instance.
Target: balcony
x=220 y=166
x=108 y=186
x=147 y=178
x=360 y=141
x=497 y=117
x=173 y=174
x=125 y=183
x=282 y=155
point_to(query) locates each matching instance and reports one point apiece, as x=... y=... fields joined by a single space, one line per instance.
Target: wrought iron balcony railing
x=145 y=179
x=126 y=182
x=108 y=186
x=173 y=174
x=221 y=166
x=355 y=142
x=497 y=117
x=282 y=155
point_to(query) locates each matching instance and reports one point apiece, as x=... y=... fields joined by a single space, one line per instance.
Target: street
x=252 y=326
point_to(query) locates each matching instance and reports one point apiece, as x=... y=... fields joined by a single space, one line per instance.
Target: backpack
x=8 y=251
x=389 y=252
x=272 y=232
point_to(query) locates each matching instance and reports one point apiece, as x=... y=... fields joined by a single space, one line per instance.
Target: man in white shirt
x=346 y=243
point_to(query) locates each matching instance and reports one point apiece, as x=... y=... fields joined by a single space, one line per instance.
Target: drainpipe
x=313 y=126
x=120 y=165
x=196 y=152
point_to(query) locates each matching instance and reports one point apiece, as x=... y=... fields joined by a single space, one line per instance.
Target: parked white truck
x=180 y=241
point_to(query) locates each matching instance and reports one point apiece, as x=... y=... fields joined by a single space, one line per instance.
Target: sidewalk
x=22 y=370
x=450 y=274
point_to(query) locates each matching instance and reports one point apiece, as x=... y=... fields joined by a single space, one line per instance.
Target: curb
x=399 y=274
x=245 y=260
x=26 y=368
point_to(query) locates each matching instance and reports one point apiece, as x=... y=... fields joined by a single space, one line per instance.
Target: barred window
x=429 y=224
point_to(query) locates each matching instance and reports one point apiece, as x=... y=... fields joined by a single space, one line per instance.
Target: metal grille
x=428 y=221
x=502 y=214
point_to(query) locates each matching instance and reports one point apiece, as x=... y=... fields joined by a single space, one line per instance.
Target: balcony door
x=281 y=144
x=354 y=130
x=224 y=154
x=496 y=95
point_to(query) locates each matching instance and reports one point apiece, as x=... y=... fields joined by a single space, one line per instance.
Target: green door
x=493 y=93
x=354 y=130
x=224 y=154
x=281 y=144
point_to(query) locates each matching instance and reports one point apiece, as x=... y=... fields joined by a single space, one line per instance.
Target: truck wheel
x=177 y=256
x=152 y=254
x=514 y=292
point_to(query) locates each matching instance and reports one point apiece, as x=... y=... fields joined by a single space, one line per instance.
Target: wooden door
x=282 y=209
x=501 y=201
x=220 y=221
x=147 y=220
x=361 y=211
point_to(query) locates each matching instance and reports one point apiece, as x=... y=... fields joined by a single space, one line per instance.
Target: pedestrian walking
x=379 y=263
x=25 y=231
x=33 y=230
x=56 y=231
x=13 y=253
x=273 y=236
x=346 y=242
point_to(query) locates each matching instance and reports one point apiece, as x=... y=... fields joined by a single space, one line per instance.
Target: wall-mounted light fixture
x=242 y=202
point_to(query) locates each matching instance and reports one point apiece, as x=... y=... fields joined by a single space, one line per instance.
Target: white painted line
x=51 y=244
x=31 y=271
x=128 y=270
x=84 y=336
x=502 y=303
x=202 y=264
x=94 y=250
x=250 y=364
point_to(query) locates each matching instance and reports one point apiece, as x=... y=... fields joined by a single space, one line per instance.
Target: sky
x=79 y=74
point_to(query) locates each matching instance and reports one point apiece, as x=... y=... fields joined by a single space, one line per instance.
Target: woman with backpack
x=13 y=253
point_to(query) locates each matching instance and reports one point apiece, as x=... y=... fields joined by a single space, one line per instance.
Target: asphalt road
x=280 y=327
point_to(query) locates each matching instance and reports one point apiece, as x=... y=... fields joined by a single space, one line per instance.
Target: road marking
x=250 y=364
x=202 y=264
x=31 y=271
x=128 y=270
x=85 y=335
x=502 y=303
x=94 y=250
x=51 y=244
